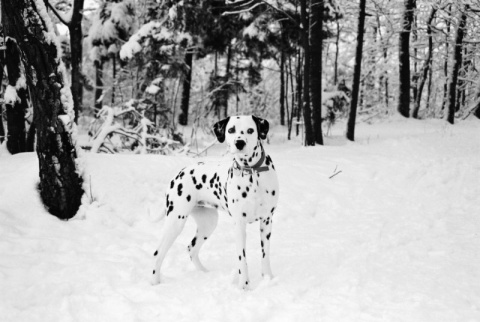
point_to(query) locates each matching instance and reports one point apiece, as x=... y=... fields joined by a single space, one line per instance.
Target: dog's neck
x=253 y=159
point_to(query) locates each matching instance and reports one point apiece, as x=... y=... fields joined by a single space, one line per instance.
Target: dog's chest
x=240 y=193
x=252 y=195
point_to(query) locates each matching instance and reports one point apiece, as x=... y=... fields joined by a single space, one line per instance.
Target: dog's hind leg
x=206 y=219
x=174 y=223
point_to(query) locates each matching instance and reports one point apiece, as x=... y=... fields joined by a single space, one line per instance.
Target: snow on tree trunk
x=403 y=106
x=457 y=62
x=15 y=99
x=60 y=182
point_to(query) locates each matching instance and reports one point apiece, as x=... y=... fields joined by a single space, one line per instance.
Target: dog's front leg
x=265 y=234
x=240 y=236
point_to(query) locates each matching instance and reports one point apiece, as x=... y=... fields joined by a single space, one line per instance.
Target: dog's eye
x=231 y=130
x=250 y=131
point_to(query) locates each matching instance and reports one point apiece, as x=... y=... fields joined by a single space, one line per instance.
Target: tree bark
x=316 y=43
x=282 y=87
x=60 y=184
x=457 y=62
x=187 y=82
x=307 y=113
x=76 y=47
x=356 y=73
x=445 y=64
x=403 y=106
x=98 y=103
x=16 y=133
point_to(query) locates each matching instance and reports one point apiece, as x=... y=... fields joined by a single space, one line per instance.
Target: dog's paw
x=155 y=279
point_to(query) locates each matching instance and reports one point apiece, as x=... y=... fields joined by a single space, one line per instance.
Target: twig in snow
x=335 y=172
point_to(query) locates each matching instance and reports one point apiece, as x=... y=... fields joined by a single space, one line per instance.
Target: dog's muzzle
x=240 y=144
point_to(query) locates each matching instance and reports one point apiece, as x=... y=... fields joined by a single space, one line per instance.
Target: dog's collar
x=238 y=169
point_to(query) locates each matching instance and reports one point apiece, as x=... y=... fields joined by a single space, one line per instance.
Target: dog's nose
x=240 y=144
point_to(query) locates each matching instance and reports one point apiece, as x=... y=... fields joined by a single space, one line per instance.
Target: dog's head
x=241 y=133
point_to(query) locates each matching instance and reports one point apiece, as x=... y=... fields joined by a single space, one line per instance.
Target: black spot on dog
x=192 y=171
x=273 y=193
x=244 y=253
x=194 y=241
x=188 y=198
x=172 y=183
x=268 y=160
x=179 y=189
x=268 y=236
x=198 y=186
x=244 y=215
x=244 y=194
x=251 y=179
x=205 y=238
x=240 y=272
x=170 y=209
x=248 y=189
x=239 y=258
x=273 y=209
x=239 y=187
x=204 y=178
x=156 y=253
x=261 y=243
x=181 y=174
x=194 y=180
x=153 y=272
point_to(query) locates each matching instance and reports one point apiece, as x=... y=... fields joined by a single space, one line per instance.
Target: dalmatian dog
x=246 y=188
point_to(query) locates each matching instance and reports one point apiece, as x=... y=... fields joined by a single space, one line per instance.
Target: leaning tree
x=27 y=22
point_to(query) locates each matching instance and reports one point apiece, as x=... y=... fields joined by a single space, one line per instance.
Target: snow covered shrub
x=127 y=129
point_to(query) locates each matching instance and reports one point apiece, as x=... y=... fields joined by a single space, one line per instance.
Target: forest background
x=153 y=76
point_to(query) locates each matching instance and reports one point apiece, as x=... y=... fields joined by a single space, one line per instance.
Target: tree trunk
x=457 y=62
x=356 y=73
x=227 y=79
x=282 y=87
x=15 y=110
x=60 y=184
x=307 y=113
x=114 y=77
x=183 y=117
x=426 y=66
x=316 y=43
x=98 y=84
x=403 y=106
x=299 y=91
x=76 y=48
x=445 y=64
x=337 y=50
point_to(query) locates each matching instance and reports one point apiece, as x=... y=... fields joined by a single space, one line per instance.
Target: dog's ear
x=262 y=127
x=219 y=129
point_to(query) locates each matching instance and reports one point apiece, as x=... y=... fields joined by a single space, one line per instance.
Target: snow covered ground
x=394 y=237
